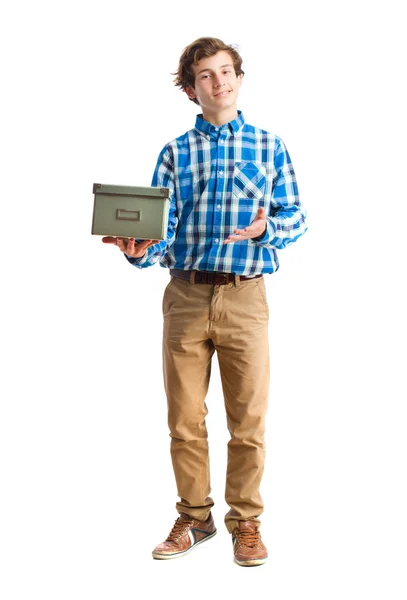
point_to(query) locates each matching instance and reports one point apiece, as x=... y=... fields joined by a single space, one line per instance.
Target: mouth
x=222 y=93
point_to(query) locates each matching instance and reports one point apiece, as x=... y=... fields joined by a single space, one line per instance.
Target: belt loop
x=237 y=280
x=192 y=278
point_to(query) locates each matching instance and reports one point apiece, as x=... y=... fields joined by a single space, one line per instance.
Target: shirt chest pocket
x=249 y=180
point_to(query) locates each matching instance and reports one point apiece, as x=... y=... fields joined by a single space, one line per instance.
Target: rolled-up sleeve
x=163 y=177
x=286 y=220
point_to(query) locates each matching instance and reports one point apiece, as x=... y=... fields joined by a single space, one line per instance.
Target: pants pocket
x=261 y=287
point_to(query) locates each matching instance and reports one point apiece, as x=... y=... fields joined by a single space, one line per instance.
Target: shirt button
x=218 y=206
x=222 y=141
x=216 y=241
x=216 y=128
x=220 y=172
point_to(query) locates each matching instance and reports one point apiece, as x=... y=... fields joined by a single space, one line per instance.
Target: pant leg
x=240 y=335
x=187 y=354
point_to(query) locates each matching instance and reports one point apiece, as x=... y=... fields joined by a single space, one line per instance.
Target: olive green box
x=131 y=211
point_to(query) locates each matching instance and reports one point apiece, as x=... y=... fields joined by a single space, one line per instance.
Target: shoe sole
x=178 y=554
x=251 y=563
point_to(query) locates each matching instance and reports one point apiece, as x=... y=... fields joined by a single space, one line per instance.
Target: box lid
x=127 y=190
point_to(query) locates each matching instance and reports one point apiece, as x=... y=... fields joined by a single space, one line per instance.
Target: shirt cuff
x=137 y=262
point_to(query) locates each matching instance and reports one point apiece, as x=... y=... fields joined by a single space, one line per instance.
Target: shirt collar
x=214 y=131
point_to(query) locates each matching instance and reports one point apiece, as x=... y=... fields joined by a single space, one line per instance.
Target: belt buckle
x=221 y=279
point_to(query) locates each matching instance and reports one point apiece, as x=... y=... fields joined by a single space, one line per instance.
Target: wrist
x=261 y=236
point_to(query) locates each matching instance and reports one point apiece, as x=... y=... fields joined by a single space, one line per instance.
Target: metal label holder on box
x=131 y=211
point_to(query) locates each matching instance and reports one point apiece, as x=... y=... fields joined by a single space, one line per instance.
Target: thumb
x=261 y=213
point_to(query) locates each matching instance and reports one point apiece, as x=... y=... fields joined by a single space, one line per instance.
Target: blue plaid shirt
x=218 y=178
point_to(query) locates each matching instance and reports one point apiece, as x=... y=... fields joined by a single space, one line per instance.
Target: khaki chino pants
x=233 y=320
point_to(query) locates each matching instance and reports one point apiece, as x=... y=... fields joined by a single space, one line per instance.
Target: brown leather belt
x=211 y=277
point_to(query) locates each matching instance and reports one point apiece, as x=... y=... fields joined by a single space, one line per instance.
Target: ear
x=190 y=92
x=240 y=79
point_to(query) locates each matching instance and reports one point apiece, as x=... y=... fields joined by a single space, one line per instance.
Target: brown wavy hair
x=201 y=48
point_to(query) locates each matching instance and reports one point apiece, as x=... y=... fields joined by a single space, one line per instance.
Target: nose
x=218 y=82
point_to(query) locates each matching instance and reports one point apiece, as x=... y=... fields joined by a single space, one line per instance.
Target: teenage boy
x=234 y=202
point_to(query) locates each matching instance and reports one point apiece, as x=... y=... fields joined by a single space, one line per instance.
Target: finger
x=244 y=233
x=152 y=242
x=147 y=243
x=109 y=240
x=134 y=248
x=234 y=238
x=121 y=244
x=252 y=232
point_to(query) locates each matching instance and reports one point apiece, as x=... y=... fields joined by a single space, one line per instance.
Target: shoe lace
x=248 y=539
x=180 y=527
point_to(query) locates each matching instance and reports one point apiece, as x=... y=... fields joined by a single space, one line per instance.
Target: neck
x=220 y=118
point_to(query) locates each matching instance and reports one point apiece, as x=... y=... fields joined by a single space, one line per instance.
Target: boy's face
x=216 y=84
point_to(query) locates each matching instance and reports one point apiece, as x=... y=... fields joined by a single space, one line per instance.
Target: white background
x=86 y=478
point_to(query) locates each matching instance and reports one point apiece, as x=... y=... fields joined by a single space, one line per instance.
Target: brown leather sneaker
x=186 y=533
x=247 y=545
